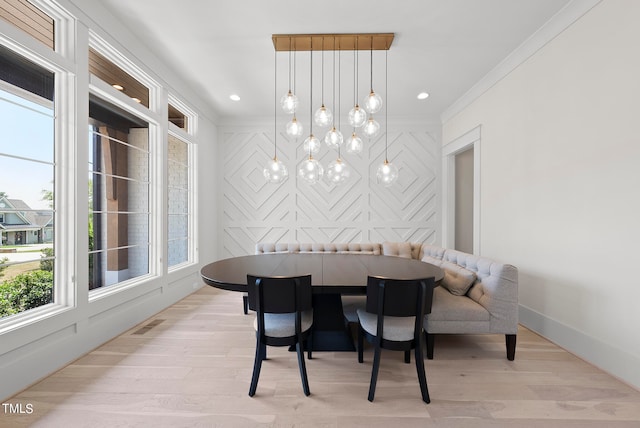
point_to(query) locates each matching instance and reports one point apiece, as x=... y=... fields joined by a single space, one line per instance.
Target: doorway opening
x=461 y=193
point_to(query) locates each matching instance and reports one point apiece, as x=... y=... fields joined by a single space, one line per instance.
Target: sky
x=26 y=149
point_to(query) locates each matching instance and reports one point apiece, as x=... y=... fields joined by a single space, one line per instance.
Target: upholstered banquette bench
x=477 y=295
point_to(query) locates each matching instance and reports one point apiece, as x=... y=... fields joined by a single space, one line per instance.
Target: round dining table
x=332 y=275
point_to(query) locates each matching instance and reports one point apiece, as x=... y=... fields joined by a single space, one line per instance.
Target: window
x=118 y=195
x=178 y=118
x=180 y=184
x=30 y=19
x=179 y=201
x=27 y=168
x=107 y=71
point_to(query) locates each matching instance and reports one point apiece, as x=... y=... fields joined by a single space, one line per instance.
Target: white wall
x=360 y=210
x=560 y=180
x=42 y=344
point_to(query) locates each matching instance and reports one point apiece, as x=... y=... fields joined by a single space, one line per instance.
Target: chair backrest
x=279 y=295
x=399 y=298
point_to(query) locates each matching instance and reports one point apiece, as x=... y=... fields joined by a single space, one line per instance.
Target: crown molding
x=559 y=22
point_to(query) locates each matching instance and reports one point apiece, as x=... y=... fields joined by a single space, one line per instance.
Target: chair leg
x=360 y=344
x=263 y=351
x=407 y=356
x=310 y=345
x=245 y=304
x=303 y=369
x=511 y=346
x=430 y=343
x=374 y=371
x=257 y=364
x=422 y=378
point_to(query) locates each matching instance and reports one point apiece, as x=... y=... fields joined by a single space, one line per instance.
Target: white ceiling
x=224 y=47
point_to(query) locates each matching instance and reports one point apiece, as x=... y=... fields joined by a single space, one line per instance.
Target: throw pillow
x=398 y=249
x=457 y=279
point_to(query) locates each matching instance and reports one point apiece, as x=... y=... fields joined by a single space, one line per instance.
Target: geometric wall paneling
x=406 y=234
x=359 y=210
x=328 y=234
x=238 y=239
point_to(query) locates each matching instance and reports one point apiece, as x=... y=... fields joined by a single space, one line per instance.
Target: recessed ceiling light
x=118 y=87
x=234 y=97
x=136 y=99
x=423 y=95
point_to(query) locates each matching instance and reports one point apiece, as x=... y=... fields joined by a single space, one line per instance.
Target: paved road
x=25 y=253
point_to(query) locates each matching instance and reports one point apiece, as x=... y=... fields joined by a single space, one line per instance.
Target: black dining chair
x=393 y=320
x=284 y=317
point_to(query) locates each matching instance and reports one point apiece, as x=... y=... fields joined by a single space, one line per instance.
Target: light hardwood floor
x=193 y=368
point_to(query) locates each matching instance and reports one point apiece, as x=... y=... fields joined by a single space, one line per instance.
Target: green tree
x=3 y=265
x=46 y=265
x=47 y=195
x=26 y=291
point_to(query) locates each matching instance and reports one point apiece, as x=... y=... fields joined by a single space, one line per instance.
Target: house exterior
x=21 y=225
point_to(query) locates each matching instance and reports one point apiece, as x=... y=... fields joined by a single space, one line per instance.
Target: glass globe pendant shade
x=357 y=116
x=275 y=171
x=334 y=138
x=310 y=170
x=387 y=174
x=294 y=128
x=354 y=144
x=371 y=128
x=372 y=103
x=338 y=172
x=311 y=145
x=323 y=116
x=289 y=102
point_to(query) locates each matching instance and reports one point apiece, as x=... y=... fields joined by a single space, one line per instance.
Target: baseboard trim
x=614 y=361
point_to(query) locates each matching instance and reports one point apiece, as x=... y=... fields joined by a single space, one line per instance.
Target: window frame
x=59 y=63
x=105 y=92
x=186 y=135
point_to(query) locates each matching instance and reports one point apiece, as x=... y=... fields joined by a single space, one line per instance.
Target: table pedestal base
x=330 y=332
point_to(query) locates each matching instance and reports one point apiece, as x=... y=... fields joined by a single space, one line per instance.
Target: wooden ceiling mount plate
x=330 y=42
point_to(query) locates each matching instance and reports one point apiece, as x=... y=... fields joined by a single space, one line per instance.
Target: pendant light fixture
x=293 y=128
x=334 y=138
x=323 y=116
x=338 y=171
x=354 y=143
x=275 y=171
x=371 y=128
x=387 y=173
x=289 y=101
x=310 y=169
x=357 y=115
x=373 y=102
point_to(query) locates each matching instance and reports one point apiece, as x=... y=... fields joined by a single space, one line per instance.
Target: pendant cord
x=275 y=105
x=357 y=70
x=371 y=65
x=386 y=109
x=355 y=99
x=310 y=99
x=322 y=75
x=289 y=64
x=333 y=84
x=334 y=92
